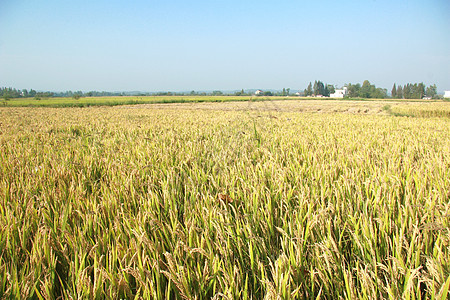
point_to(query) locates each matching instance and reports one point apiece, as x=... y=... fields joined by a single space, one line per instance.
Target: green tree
x=412 y=91
x=365 y=90
x=431 y=91
x=379 y=93
x=394 y=91
x=353 y=89
x=420 y=90
x=399 y=92
x=407 y=91
x=9 y=92
x=319 y=88
x=331 y=88
x=240 y=93
x=309 y=90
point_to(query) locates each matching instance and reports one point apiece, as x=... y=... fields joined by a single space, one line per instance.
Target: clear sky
x=161 y=45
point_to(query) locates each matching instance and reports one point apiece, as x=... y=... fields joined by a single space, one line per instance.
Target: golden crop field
x=275 y=200
x=120 y=100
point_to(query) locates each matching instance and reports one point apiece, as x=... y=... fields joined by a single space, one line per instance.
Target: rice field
x=121 y=100
x=277 y=200
x=61 y=102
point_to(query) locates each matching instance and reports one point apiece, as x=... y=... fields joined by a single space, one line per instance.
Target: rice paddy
x=274 y=200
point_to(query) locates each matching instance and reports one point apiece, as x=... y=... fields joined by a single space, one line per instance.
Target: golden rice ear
x=225 y=198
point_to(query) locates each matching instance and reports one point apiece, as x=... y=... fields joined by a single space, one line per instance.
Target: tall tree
x=319 y=88
x=399 y=92
x=394 y=91
x=353 y=90
x=431 y=91
x=407 y=91
x=309 y=90
x=365 y=89
x=331 y=88
x=420 y=90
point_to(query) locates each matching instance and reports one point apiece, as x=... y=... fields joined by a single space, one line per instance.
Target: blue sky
x=221 y=45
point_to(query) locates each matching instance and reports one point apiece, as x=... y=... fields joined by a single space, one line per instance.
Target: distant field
x=130 y=100
x=373 y=106
x=125 y=100
x=303 y=199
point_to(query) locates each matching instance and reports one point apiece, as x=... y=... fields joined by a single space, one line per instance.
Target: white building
x=339 y=93
x=446 y=94
x=259 y=92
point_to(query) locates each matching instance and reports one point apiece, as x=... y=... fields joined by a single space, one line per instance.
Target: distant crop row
x=144 y=203
x=60 y=102
x=122 y=100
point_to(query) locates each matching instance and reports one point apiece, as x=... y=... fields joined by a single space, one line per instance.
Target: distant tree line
x=17 y=93
x=414 y=91
x=366 y=90
x=78 y=94
x=319 y=89
x=8 y=93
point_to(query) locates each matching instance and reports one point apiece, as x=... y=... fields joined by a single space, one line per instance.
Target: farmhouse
x=259 y=92
x=339 y=93
x=446 y=94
